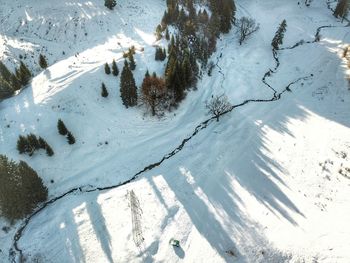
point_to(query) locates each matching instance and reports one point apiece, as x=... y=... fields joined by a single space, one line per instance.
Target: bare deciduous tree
x=153 y=93
x=245 y=27
x=218 y=105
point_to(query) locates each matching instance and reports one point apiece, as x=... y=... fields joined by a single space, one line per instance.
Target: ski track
x=16 y=252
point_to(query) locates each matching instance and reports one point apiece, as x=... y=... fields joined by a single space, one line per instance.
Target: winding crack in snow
x=17 y=253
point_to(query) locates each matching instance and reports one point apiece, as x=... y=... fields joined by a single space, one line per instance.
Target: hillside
x=261 y=185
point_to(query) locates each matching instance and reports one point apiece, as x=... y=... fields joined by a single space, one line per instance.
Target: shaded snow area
x=269 y=182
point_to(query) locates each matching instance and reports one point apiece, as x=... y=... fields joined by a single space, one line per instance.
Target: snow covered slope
x=261 y=185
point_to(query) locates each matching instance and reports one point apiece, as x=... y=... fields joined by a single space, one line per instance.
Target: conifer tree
x=23 y=74
x=278 y=38
x=62 y=129
x=6 y=90
x=49 y=151
x=128 y=90
x=107 y=69
x=110 y=4
x=115 y=69
x=21 y=189
x=42 y=61
x=104 y=92
x=342 y=8
x=15 y=83
x=70 y=138
x=5 y=73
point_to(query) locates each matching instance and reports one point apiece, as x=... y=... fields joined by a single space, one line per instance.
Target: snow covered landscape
x=268 y=182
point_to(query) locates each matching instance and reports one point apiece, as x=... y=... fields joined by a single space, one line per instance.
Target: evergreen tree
x=21 y=189
x=6 y=90
x=278 y=38
x=107 y=69
x=147 y=74
x=42 y=61
x=132 y=64
x=22 y=144
x=110 y=4
x=128 y=90
x=23 y=74
x=15 y=83
x=62 y=129
x=104 y=92
x=70 y=138
x=115 y=69
x=342 y=8
x=49 y=151
x=5 y=74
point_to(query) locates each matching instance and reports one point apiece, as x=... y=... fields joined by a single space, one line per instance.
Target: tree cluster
x=160 y=54
x=62 y=129
x=278 y=38
x=128 y=89
x=9 y=82
x=181 y=70
x=21 y=189
x=31 y=143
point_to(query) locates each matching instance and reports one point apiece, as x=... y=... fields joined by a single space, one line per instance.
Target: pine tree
x=132 y=64
x=128 y=90
x=104 y=92
x=21 y=189
x=147 y=74
x=62 y=129
x=5 y=73
x=15 y=83
x=22 y=144
x=23 y=74
x=70 y=138
x=49 y=151
x=278 y=38
x=6 y=90
x=115 y=69
x=342 y=8
x=107 y=69
x=42 y=61
x=110 y=4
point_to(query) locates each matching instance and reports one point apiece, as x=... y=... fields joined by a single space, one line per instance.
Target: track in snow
x=16 y=253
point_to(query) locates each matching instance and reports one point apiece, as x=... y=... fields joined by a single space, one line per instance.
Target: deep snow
x=263 y=183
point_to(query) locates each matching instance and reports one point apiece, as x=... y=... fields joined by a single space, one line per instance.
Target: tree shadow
x=99 y=225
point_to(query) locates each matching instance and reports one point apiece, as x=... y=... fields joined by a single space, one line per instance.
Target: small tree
x=70 y=138
x=115 y=69
x=104 y=92
x=49 y=150
x=218 y=105
x=62 y=129
x=153 y=92
x=21 y=189
x=245 y=27
x=110 y=4
x=107 y=69
x=42 y=61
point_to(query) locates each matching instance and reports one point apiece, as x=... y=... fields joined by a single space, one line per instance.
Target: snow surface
x=263 y=183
